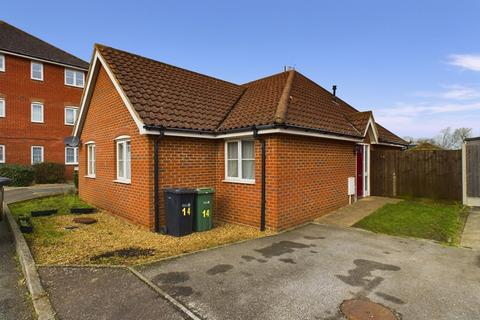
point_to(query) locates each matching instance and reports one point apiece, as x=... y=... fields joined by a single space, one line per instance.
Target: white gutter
x=250 y=133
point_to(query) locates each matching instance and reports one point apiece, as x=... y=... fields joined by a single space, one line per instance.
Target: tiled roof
x=17 y=41
x=175 y=98
x=387 y=136
x=359 y=119
x=171 y=97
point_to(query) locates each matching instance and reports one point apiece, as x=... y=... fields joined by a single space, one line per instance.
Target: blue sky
x=416 y=64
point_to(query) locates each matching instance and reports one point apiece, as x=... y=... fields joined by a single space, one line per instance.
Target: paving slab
x=307 y=273
x=349 y=215
x=14 y=302
x=103 y=293
x=471 y=232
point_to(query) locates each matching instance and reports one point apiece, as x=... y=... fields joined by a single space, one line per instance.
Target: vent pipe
x=334 y=90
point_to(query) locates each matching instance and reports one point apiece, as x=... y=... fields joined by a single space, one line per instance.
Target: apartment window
x=36 y=70
x=71 y=155
x=2 y=153
x=240 y=161
x=2 y=63
x=123 y=159
x=74 y=78
x=37 y=154
x=70 y=115
x=2 y=107
x=37 y=112
x=91 y=157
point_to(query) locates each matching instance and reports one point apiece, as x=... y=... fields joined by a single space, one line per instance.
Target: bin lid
x=179 y=190
x=4 y=181
x=205 y=190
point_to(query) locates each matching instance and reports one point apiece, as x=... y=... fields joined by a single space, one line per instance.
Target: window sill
x=72 y=85
x=69 y=124
x=123 y=181
x=90 y=177
x=37 y=121
x=239 y=181
x=71 y=164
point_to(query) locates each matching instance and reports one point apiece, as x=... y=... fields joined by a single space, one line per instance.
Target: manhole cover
x=364 y=309
x=85 y=220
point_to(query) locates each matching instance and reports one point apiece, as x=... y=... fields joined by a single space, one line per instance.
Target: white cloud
x=427 y=119
x=453 y=92
x=465 y=61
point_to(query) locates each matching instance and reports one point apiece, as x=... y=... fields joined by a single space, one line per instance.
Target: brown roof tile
x=175 y=98
x=171 y=97
x=359 y=119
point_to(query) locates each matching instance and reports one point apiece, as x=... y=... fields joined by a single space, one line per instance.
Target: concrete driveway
x=308 y=272
x=15 y=194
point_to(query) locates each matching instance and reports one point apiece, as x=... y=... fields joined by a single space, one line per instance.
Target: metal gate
x=471 y=171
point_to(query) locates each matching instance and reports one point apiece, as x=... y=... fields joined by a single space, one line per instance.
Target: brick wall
x=17 y=132
x=312 y=177
x=186 y=163
x=108 y=118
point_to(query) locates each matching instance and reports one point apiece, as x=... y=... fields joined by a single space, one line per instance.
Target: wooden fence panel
x=473 y=169
x=431 y=174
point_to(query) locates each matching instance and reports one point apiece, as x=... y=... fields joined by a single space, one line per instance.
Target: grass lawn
x=420 y=218
x=112 y=240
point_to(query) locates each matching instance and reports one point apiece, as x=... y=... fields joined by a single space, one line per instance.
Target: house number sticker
x=206 y=213
x=186 y=211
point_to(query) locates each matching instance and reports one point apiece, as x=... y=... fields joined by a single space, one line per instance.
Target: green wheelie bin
x=202 y=219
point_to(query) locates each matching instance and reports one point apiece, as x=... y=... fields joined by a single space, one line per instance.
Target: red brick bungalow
x=278 y=150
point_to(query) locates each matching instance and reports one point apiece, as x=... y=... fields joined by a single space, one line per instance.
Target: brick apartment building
x=40 y=91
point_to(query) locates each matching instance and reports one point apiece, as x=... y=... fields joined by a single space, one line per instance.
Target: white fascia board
x=309 y=134
x=136 y=118
x=371 y=123
x=87 y=91
x=260 y=132
x=391 y=145
x=41 y=60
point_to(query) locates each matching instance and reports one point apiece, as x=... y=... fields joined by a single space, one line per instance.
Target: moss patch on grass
x=421 y=218
x=112 y=240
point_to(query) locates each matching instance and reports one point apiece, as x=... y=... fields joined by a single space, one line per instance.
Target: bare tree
x=452 y=140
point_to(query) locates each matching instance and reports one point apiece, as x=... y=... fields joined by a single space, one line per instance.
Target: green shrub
x=20 y=175
x=49 y=172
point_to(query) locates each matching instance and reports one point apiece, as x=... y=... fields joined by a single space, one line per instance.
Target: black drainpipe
x=264 y=166
x=155 y=181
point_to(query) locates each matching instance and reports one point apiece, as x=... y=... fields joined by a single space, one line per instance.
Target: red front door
x=360 y=171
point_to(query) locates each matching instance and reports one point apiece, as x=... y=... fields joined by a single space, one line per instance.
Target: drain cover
x=364 y=309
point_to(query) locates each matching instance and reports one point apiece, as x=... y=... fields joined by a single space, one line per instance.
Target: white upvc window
x=71 y=155
x=2 y=108
x=240 y=161
x=70 y=115
x=74 y=78
x=37 y=112
x=37 y=154
x=2 y=153
x=124 y=155
x=91 y=158
x=36 y=70
x=2 y=63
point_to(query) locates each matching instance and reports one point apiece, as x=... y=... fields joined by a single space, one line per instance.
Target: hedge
x=49 y=172
x=21 y=175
